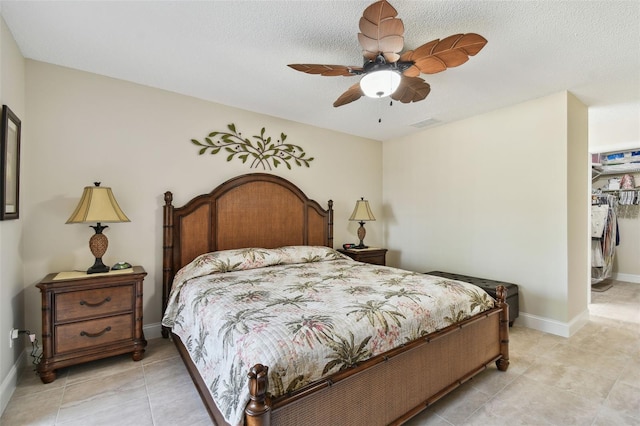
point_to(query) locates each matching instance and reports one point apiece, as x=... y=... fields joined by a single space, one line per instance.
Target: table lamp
x=362 y=213
x=98 y=205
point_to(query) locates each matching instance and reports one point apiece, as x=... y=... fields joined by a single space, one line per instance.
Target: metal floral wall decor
x=260 y=149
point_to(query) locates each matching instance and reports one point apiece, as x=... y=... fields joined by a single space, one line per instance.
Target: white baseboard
x=547 y=325
x=9 y=383
x=630 y=278
x=152 y=331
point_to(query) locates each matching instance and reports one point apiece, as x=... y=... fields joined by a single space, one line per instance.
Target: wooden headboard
x=252 y=210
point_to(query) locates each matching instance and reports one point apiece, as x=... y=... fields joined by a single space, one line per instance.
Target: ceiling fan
x=387 y=72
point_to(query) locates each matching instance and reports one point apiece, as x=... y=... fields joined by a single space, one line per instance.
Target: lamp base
x=98 y=267
x=361 y=234
x=98 y=245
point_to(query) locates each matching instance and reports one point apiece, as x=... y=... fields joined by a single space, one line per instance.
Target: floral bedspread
x=305 y=312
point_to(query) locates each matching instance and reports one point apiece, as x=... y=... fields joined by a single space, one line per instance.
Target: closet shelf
x=615 y=163
x=596 y=173
x=614 y=191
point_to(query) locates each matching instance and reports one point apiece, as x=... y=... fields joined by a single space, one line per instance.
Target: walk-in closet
x=615 y=211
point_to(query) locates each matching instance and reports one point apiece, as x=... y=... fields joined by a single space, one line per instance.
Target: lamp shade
x=97 y=205
x=379 y=84
x=362 y=212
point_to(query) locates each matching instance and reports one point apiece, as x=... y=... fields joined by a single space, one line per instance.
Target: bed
x=259 y=229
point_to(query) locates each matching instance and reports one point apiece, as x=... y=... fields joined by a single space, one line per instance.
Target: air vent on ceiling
x=426 y=123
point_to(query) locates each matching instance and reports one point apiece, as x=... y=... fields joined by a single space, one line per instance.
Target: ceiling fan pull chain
x=380 y=109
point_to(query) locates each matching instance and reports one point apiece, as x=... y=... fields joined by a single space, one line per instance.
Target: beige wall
x=12 y=93
x=488 y=196
x=136 y=139
x=614 y=126
x=578 y=211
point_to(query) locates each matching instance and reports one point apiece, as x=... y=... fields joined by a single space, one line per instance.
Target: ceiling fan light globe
x=380 y=84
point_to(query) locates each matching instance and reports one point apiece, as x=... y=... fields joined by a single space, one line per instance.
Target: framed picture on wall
x=9 y=164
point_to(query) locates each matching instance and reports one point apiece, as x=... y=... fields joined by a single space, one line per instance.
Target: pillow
x=238 y=259
x=308 y=254
x=227 y=261
x=252 y=258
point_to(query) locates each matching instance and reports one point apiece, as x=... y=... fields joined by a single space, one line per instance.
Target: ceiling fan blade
x=412 y=71
x=389 y=46
x=381 y=32
x=327 y=70
x=438 y=55
x=411 y=89
x=471 y=43
x=381 y=29
x=353 y=93
x=379 y=10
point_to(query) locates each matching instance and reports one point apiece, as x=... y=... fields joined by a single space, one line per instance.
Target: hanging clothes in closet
x=604 y=236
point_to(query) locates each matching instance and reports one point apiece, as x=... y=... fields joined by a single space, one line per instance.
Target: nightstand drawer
x=374 y=256
x=85 y=334
x=91 y=303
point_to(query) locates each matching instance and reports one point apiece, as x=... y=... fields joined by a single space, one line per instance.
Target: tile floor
x=592 y=378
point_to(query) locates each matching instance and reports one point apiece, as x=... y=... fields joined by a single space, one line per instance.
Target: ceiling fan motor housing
x=381 y=78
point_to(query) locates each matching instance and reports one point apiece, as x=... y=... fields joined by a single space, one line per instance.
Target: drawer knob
x=93 y=305
x=84 y=333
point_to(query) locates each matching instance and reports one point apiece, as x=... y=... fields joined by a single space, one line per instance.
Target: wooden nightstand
x=375 y=256
x=88 y=317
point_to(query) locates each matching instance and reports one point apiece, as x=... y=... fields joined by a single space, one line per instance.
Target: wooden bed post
x=330 y=225
x=167 y=250
x=501 y=295
x=258 y=411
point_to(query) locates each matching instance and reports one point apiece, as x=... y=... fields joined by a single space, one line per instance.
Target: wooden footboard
x=393 y=387
x=388 y=389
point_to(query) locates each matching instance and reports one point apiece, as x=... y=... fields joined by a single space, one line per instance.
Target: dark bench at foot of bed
x=490 y=287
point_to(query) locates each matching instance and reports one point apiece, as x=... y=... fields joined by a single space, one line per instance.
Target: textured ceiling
x=236 y=52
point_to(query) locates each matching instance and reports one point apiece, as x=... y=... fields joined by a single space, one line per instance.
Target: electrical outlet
x=13 y=334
